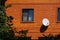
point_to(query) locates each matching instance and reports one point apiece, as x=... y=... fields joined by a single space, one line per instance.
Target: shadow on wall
x=43 y=28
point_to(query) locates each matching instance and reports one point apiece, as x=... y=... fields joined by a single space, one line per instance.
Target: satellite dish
x=45 y=22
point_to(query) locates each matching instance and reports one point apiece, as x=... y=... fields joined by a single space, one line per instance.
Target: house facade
x=28 y=15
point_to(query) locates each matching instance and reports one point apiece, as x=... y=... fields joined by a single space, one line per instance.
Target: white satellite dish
x=45 y=22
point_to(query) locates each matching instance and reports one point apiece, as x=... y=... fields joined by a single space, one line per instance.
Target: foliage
x=23 y=33
x=5 y=24
x=6 y=33
x=57 y=37
x=3 y=18
x=50 y=37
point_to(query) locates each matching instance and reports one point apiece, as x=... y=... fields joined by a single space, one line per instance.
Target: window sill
x=27 y=22
x=58 y=22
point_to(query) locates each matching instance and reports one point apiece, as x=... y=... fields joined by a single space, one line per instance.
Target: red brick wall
x=41 y=10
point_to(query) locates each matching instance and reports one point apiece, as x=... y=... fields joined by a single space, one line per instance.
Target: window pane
x=25 y=14
x=24 y=18
x=59 y=14
x=30 y=18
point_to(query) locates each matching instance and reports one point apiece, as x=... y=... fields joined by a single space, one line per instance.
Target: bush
x=49 y=37
x=57 y=37
x=24 y=38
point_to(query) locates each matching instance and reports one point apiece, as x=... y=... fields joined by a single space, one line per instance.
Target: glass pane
x=31 y=15
x=25 y=14
x=24 y=18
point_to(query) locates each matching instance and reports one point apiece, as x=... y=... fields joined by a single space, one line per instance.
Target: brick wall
x=41 y=10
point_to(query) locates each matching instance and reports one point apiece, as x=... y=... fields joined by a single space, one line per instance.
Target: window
x=58 y=14
x=27 y=15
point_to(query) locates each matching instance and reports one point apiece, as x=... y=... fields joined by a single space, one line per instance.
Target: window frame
x=27 y=16
x=58 y=15
x=57 y=21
